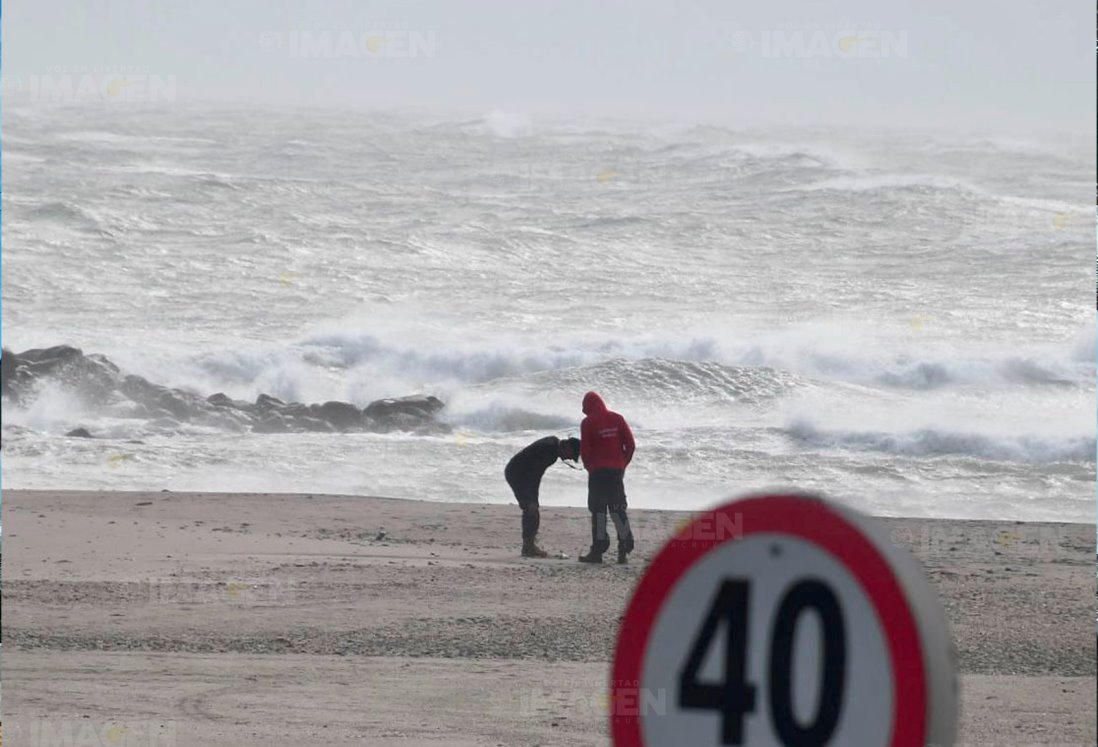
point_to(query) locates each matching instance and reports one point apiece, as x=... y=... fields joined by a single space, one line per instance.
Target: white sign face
x=795 y=615
x=780 y=621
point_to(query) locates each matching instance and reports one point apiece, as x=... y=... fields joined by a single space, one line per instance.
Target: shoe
x=591 y=557
x=624 y=548
x=530 y=549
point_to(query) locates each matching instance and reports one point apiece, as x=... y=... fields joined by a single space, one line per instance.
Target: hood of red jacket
x=592 y=403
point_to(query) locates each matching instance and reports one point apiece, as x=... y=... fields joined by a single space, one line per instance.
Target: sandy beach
x=243 y=619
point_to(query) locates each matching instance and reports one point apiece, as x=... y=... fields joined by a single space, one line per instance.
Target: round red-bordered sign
x=915 y=642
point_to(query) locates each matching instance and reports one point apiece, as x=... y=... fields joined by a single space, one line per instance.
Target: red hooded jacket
x=605 y=439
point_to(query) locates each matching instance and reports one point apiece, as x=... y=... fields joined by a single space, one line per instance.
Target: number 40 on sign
x=804 y=627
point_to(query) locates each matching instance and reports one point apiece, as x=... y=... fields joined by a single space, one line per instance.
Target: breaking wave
x=500 y=418
x=1010 y=370
x=934 y=443
x=64 y=213
x=698 y=370
x=673 y=381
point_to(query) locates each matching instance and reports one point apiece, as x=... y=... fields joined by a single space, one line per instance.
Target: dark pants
x=526 y=493
x=606 y=495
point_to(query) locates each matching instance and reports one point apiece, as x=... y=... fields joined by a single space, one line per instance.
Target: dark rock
x=54 y=356
x=79 y=433
x=223 y=400
x=298 y=410
x=265 y=402
x=413 y=413
x=176 y=404
x=415 y=406
x=271 y=423
x=7 y=371
x=140 y=390
x=343 y=415
x=104 y=363
x=94 y=378
x=179 y=404
x=313 y=425
x=98 y=381
x=227 y=419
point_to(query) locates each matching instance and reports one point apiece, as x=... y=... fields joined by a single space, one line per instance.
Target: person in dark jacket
x=606 y=447
x=524 y=473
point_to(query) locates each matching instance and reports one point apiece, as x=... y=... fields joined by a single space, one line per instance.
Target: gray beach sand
x=247 y=620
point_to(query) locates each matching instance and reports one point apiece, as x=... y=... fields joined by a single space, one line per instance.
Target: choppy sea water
x=899 y=319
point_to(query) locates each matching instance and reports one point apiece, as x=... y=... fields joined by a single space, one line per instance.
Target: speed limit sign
x=783 y=620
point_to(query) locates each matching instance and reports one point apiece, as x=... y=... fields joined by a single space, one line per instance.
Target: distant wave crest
x=933 y=442
x=668 y=380
x=500 y=418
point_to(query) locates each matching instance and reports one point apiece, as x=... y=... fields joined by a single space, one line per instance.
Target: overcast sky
x=1009 y=65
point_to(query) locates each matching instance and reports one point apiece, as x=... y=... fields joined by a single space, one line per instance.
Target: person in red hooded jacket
x=606 y=448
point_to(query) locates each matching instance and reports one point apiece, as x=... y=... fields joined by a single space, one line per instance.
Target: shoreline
x=242 y=619
x=553 y=503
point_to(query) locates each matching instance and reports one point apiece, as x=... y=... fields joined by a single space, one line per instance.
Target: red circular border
x=810 y=519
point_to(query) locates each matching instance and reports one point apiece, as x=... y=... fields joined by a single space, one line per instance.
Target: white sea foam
x=900 y=298
x=938 y=443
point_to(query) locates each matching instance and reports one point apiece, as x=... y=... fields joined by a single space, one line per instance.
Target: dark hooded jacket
x=605 y=439
x=530 y=464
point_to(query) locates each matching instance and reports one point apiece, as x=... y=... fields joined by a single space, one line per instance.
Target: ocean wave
x=995 y=145
x=477 y=362
x=501 y=418
x=63 y=212
x=867 y=183
x=96 y=137
x=1020 y=370
x=661 y=380
x=355 y=366
x=613 y=221
x=429 y=362
x=665 y=370
x=798 y=154
x=818 y=354
x=12 y=156
x=929 y=442
x=201 y=177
